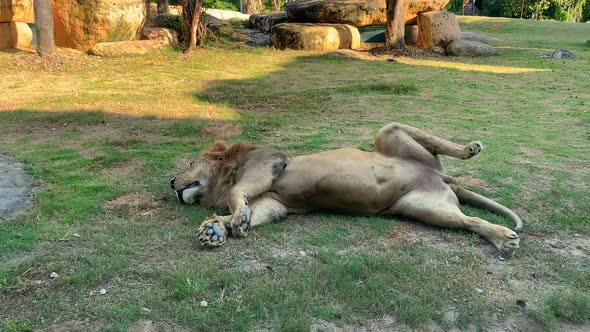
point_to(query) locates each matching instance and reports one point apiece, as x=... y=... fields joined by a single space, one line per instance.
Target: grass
x=102 y=137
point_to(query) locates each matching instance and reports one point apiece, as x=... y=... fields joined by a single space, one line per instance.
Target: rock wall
x=14 y=16
x=17 y=11
x=354 y=12
x=82 y=24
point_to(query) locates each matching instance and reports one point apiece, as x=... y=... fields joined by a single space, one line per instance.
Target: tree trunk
x=44 y=25
x=253 y=6
x=276 y=6
x=163 y=7
x=396 y=25
x=191 y=12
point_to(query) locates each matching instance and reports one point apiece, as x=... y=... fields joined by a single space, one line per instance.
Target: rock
x=411 y=34
x=213 y=23
x=315 y=37
x=469 y=48
x=53 y=275
x=203 y=303
x=168 y=36
x=15 y=188
x=82 y=24
x=437 y=28
x=145 y=310
x=558 y=54
x=265 y=22
x=479 y=291
x=102 y=291
x=127 y=47
x=227 y=14
x=256 y=38
x=354 y=12
x=214 y=238
x=17 y=11
x=15 y=35
x=472 y=36
x=172 y=10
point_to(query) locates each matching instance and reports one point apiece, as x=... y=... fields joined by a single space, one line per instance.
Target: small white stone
x=102 y=291
x=479 y=290
x=302 y=253
x=203 y=303
x=53 y=275
x=145 y=310
x=501 y=258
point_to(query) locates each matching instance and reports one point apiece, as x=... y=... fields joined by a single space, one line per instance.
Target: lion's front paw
x=507 y=241
x=212 y=232
x=240 y=224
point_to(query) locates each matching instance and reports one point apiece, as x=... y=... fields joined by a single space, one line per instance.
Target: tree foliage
x=559 y=10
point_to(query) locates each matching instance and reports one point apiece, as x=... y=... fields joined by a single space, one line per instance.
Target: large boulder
x=82 y=24
x=265 y=22
x=469 y=48
x=132 y=47
x=168 y=36
x=315 y=37
x=354 y=12
x=437 y=28
x=17 y=11
x=15 y=35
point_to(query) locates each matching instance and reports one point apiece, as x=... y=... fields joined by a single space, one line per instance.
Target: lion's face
x=191 y=184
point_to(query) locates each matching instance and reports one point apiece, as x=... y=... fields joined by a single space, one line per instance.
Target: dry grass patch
x=136 y=204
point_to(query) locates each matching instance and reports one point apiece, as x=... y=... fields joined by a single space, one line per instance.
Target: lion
x=402 y=176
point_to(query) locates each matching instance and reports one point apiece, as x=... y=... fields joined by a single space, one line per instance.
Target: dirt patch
x=223 y=130
x=410 y=233
x=467 y=180
x=37 y=279
x=62 y=59
x=575 y=248
x=124 y=171
x=74 y=326
x=144 y=325
x=530 y=152
x=137 y=204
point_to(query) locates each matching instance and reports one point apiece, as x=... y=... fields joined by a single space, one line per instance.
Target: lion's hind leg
x=402 y=140
x=441 y=209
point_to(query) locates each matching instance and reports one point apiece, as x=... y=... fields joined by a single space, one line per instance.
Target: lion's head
x=208 y=178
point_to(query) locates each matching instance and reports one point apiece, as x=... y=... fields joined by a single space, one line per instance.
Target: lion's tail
x=470 y=198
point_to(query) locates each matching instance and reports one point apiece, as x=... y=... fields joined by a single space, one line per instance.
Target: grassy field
x=103 y=136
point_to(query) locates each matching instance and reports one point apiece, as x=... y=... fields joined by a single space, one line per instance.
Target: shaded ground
x=16 y=188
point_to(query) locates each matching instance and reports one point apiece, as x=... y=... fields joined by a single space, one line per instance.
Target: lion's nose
x=172 y=183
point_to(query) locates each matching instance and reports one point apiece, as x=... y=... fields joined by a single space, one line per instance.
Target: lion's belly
x=346 y=180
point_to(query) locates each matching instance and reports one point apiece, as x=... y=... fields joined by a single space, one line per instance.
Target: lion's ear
x=217 y=151
x=219 y=146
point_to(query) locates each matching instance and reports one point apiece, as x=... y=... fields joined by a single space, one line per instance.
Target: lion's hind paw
x=212 y=232
x=474 y=148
